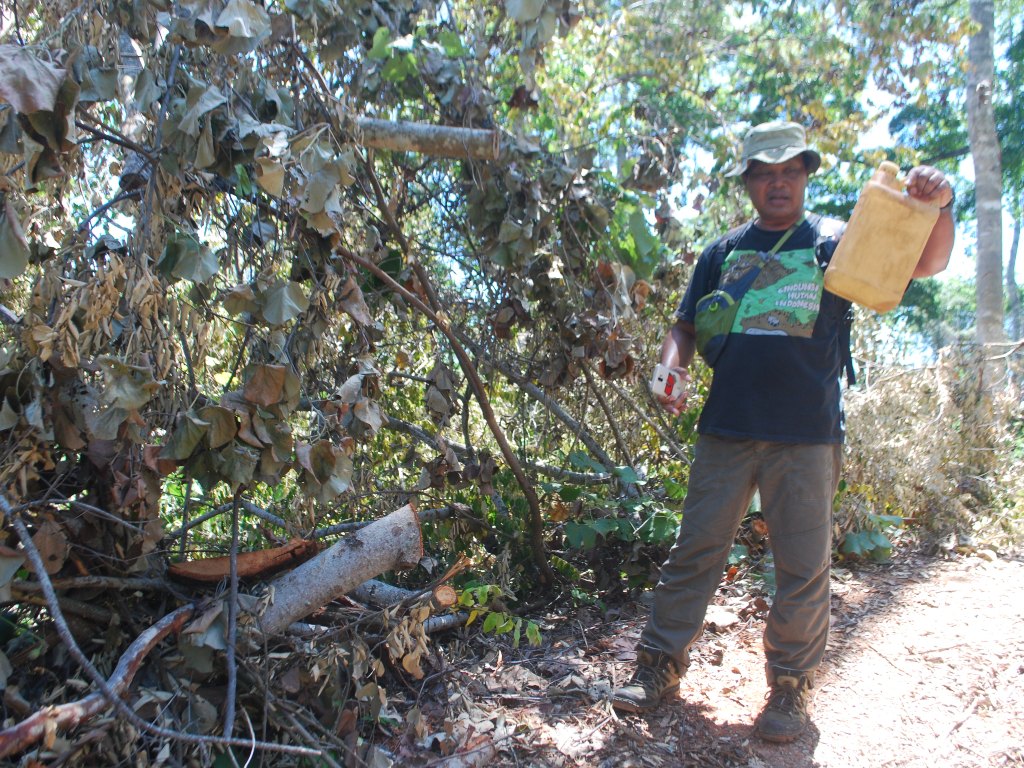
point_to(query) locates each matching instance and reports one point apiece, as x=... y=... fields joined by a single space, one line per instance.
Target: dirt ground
x=925 y=668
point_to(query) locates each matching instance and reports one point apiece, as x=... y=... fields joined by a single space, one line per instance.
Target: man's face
x=777 y=190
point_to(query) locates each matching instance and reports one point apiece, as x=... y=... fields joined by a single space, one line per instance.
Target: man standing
x=772 y=423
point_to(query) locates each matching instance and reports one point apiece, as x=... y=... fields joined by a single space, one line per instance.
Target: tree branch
x=544 y=399
x=583 y=478
x=546 y=574
x=631 y=489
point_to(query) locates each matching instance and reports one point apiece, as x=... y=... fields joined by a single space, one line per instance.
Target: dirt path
x=925 y=668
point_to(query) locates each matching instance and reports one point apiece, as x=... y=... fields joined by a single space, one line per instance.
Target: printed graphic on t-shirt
x=783 y=299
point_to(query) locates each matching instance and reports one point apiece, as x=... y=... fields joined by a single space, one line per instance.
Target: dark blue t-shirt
x=778 y=376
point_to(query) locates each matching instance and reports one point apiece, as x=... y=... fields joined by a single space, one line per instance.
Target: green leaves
x=14 y=250
x=283 y=302
x=584 y=535
x=872 y=540
x=632 y=239
x=186 y=258
x=397 y=55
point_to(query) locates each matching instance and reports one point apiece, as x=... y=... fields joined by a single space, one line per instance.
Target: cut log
x=433 y=140
x=380 y=594
x=383 y=595
x=393 y=542
x=444 y=597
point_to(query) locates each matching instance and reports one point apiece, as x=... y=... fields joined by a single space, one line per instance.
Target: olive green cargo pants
x=797 y=484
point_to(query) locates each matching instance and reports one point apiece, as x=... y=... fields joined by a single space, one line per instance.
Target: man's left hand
x=929 y=185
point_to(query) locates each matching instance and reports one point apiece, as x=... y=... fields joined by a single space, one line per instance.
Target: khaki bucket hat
x=775 y=142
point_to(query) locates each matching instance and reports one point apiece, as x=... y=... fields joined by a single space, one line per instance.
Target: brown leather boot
x=657 y=674
x=785 y=717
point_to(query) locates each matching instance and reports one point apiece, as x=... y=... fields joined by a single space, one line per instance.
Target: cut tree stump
x=393 y=542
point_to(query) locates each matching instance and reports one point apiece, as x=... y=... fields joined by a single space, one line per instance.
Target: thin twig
x=186 y=509
x=114 y=137
x=612 y=422
x=107 y=206
x=67 y=604
x=575 y=426
x=232 y=687
x=248 y=506
x=96 y=582
x=83 y=506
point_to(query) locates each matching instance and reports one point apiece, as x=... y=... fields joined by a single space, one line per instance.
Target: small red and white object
x=665 y=382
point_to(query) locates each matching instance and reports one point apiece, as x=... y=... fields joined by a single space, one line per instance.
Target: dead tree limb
x=583 y=478
x=630 y=488
x=433 y=140
x=575 y=427
x=392 y=542
x=400 y=136
x=613 y=424
x=432 y=309
x=97 y=582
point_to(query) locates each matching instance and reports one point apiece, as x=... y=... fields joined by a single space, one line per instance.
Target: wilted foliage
x=941 y=447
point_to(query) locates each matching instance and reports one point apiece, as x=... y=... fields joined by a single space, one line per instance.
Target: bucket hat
x=775 y=142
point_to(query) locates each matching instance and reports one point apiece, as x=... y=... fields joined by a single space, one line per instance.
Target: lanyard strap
x=785 y=237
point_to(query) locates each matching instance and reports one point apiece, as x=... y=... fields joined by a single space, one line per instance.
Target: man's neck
x=778 y=225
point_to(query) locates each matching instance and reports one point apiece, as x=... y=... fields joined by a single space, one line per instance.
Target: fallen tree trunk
x=387 y=544
x=433 y=140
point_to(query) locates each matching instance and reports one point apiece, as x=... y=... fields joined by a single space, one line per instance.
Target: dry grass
x=938 y=447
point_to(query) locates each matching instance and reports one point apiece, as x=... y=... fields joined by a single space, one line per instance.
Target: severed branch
x=612 y=423
x=232 y=667
x=403 y=136
x=96 y=582
x=630 y=488
x=391 y=542
x=26 y=733
x=426 y=139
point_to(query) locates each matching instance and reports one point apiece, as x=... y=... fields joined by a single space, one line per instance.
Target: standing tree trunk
x=1013 y=307
x=988 y=178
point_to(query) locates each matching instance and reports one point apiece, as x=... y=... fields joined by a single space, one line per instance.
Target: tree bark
x=433 y=140
x=988 y=179
x=1013 y=307
x=392 y=542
